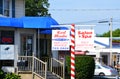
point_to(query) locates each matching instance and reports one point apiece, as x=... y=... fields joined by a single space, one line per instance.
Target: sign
x=84 y=40
x=6 y=52
x=80 y=53
x=7 y=40
x=60 y=39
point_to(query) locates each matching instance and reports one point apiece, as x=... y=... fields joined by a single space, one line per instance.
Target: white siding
x=19 y=8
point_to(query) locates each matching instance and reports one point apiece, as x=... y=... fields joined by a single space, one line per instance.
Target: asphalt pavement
x=106 y=77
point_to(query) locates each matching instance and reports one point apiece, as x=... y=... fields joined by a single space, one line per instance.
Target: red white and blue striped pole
x=72 y=51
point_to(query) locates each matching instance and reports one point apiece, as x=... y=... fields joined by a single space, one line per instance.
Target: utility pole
x=111 y=59
x=110 y=38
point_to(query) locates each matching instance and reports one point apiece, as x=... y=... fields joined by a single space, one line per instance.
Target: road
x=106 y=77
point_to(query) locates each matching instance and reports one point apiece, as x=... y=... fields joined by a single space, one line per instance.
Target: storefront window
x=7 y=62
x=105 y=59
x=44 y=48
x=26 y=45
x=6 y=37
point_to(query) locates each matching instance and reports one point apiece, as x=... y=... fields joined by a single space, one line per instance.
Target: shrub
x=84 y=67
x=2 y=75
x=12 y=76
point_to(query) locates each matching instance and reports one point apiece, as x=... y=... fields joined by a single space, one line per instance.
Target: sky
x=87 y=12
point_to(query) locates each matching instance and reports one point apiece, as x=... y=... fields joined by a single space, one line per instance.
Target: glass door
x=26 y=45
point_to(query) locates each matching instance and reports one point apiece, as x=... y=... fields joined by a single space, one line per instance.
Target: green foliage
x=1 y=74
x=11 y=76
x=115 y=33
x=36 y=8
x=4 y=75
x=84 y=67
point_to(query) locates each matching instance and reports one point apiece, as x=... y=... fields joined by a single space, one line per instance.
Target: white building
x=12 y=8
x=103 y=50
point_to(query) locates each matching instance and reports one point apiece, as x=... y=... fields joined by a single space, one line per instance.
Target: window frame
x=9 y=9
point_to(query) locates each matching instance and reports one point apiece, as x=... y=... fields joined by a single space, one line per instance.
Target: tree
x=36 y=8
x=115 y=33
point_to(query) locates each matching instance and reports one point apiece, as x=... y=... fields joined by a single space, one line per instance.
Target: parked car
x=103 y=70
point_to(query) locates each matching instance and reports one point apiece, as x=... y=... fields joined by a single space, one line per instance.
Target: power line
x=84 y=9
x=115 y=21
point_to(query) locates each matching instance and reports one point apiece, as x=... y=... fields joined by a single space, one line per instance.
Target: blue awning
x=42 y=23
x=28 y=22
x=5 y=21
x=16 y=22
x=48 y=31
x=38 y=22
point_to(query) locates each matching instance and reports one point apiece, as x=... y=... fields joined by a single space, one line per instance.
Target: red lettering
x=86 y=36
x=7 y=40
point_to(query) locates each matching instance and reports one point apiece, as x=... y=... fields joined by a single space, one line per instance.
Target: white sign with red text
x=60 y=39
x=84 y=39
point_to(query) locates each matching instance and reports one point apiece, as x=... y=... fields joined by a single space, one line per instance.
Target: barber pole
x=72 y=51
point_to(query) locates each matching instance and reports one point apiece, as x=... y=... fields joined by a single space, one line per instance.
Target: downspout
x=38 y=53
x=1 y=7
x=13 y=8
